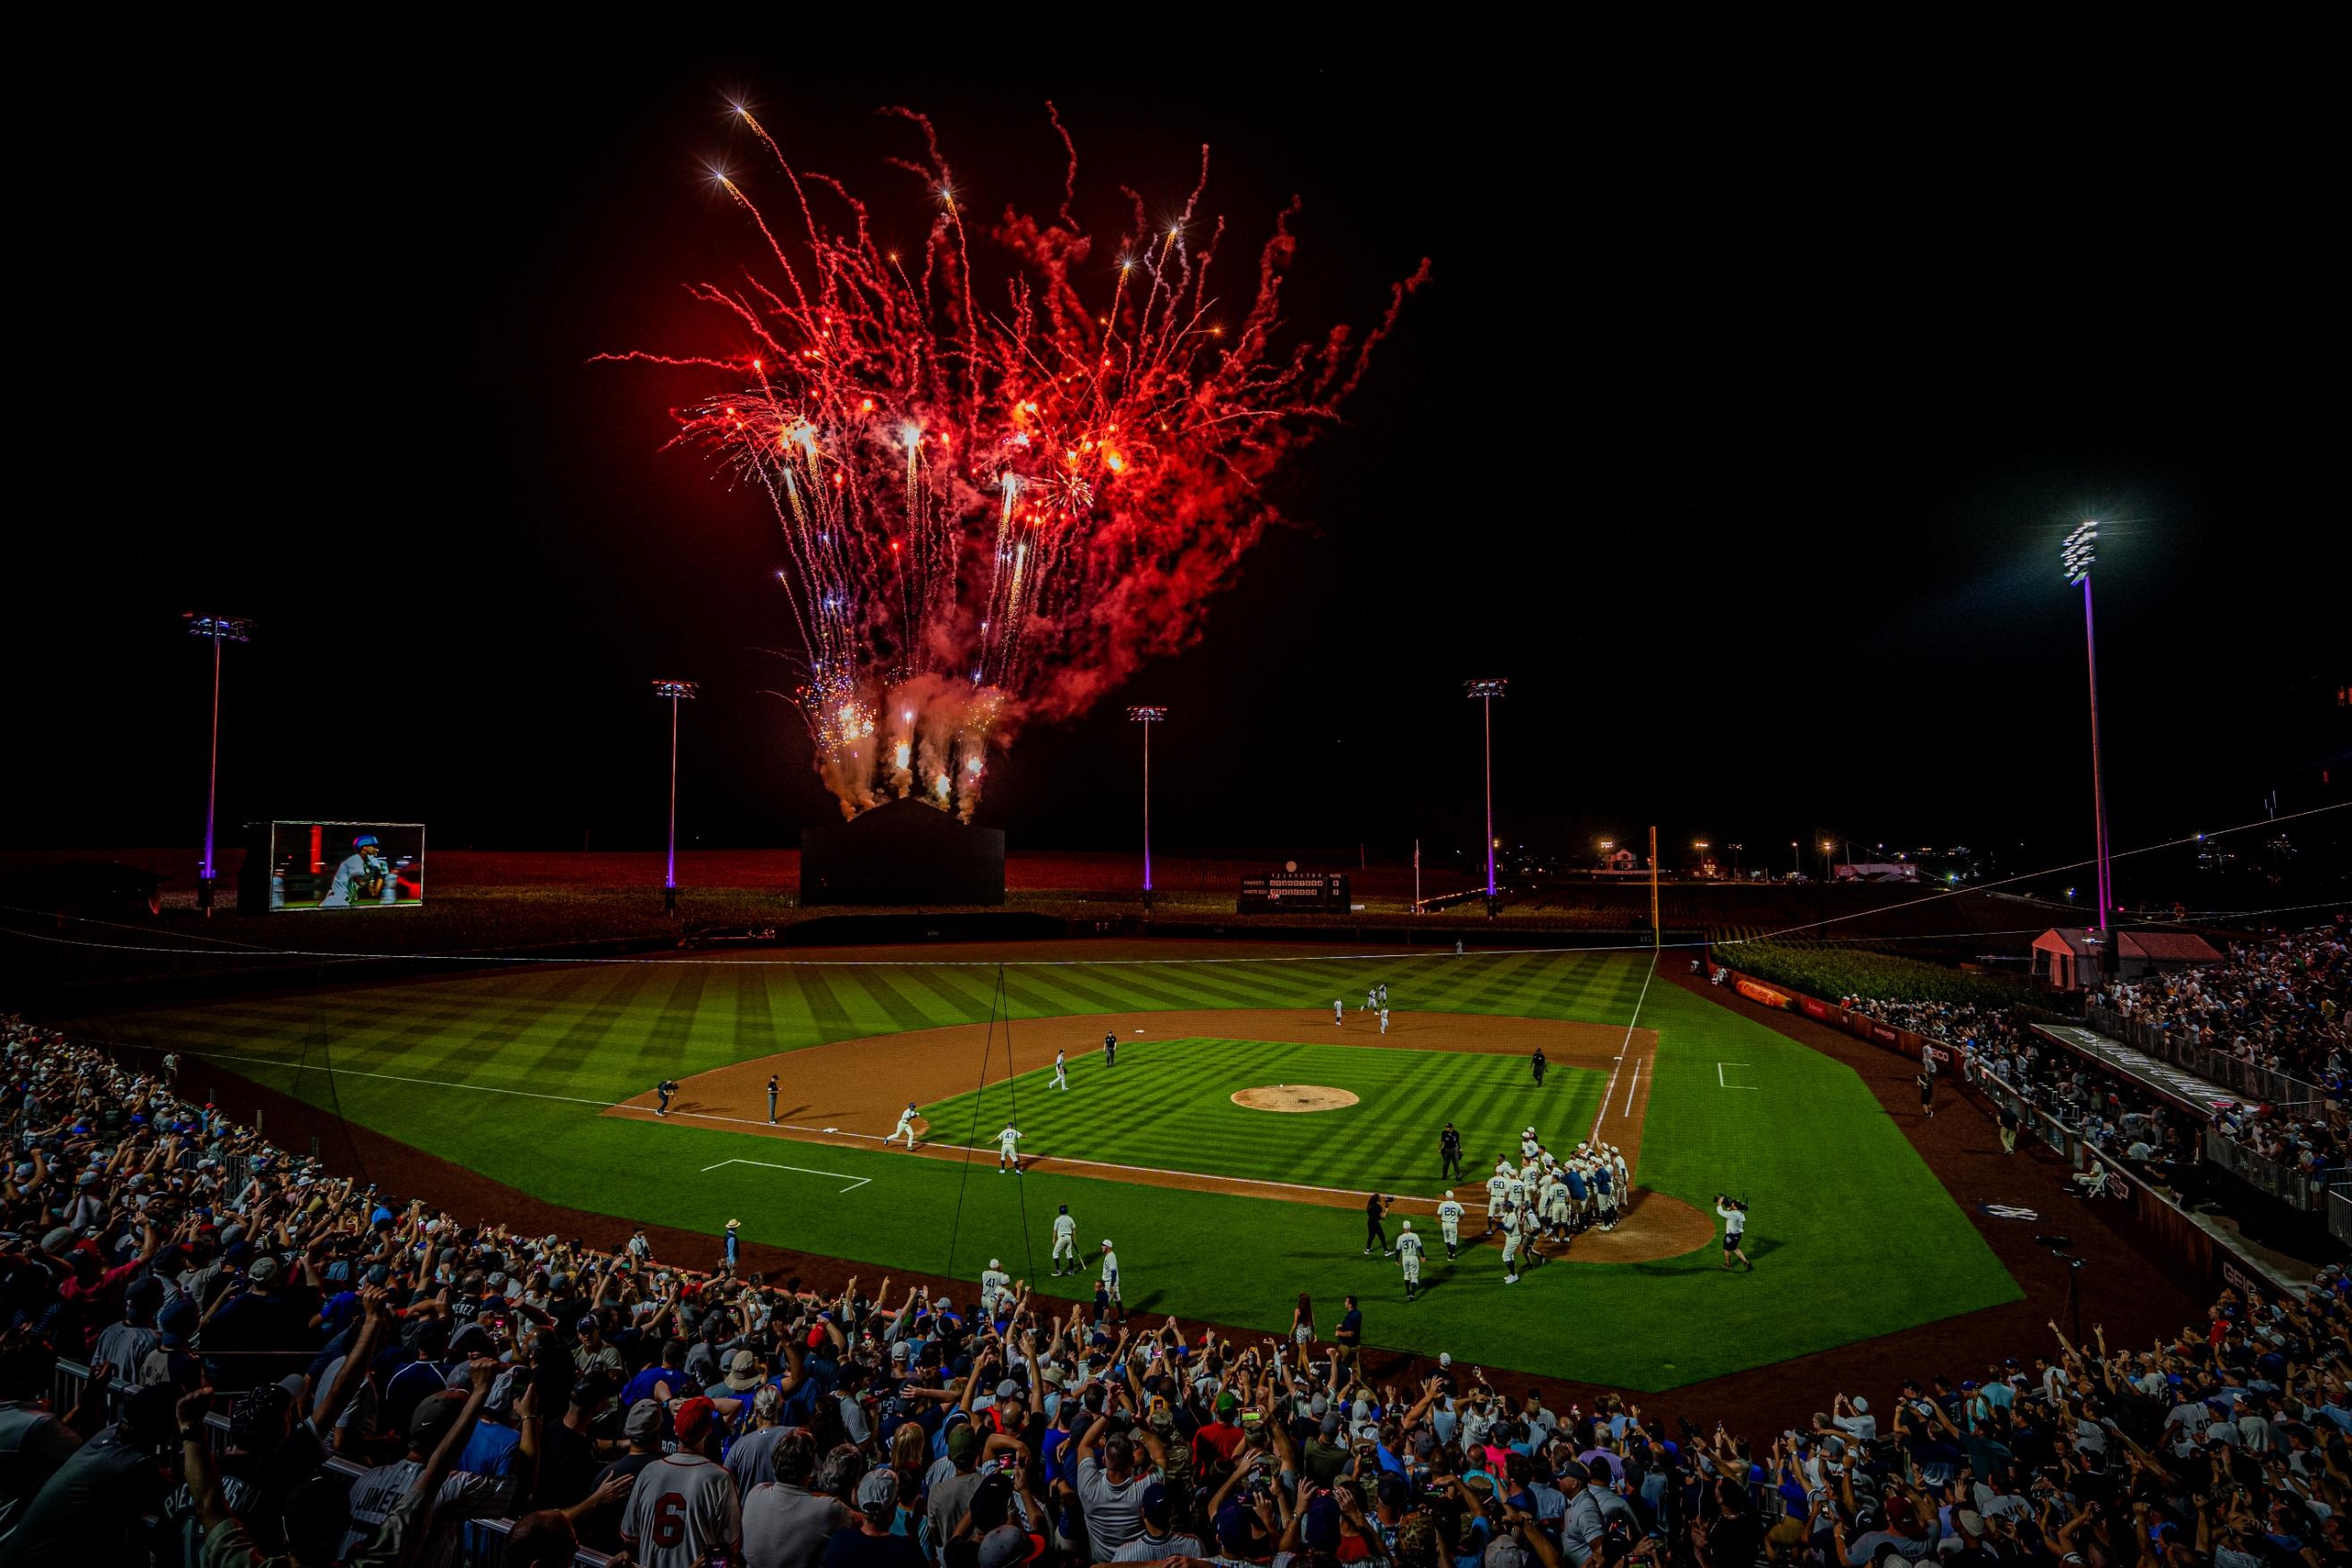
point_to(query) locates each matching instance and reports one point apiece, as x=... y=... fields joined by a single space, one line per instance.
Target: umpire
x=1376 y=1235
x=1449 y=1152
x=1539 y=1064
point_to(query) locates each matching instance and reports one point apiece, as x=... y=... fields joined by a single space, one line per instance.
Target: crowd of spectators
x=396 y=1374
x=2276 y=1002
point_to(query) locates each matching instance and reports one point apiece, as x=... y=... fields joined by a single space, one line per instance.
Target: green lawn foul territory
x=508 y=1073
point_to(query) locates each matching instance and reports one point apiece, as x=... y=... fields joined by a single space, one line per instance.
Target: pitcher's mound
x=1293 y=1097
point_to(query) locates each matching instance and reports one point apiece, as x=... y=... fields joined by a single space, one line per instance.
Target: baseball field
x=1228 y=1151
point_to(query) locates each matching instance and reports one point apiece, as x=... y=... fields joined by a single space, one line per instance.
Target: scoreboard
x=1307 y=891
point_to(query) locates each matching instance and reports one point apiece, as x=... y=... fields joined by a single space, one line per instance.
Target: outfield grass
x=1169 y=1104
x=507 y=1073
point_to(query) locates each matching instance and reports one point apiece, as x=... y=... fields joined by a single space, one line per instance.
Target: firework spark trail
x=994 y=515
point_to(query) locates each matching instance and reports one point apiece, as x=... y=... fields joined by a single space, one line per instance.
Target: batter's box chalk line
x=854 y=1182
x=1721 y=1084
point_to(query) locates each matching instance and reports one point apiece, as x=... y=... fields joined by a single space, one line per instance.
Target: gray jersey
x=682 y=1509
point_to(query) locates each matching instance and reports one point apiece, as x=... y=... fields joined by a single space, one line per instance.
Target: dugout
x=903 y=853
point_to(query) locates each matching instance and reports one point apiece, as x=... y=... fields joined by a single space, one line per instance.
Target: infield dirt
x=851 y=1093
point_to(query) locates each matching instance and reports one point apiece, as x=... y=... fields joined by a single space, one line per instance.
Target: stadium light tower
x=676 y=692
x=217 y=630
x=1146 y=717
x=1484 y=692
x=2078 y=553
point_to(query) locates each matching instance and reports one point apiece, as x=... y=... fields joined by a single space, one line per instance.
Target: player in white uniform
x=1408 y=1252
x=1060 y=1069
x=1530 y=1144
x=1555 y=1207
x=906 y=1125
x=1510 y=1246
x=1339 y=1011
x=1449 y=1225
x=1384 y=1020
x=1066 y=1242
x=1498 y=1185
x=1383 y=990
x=1005 y=1155
x=996 y=1284
x=1107 y=1302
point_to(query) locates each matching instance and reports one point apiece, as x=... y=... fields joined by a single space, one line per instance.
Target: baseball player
x=1338 y=1013
x=1449 y=1225
x=1106 y=1296
x=1498 y=1185
x=1384 y=1017
x=1066 y=1243
x=1383 y=988
x=666 y=1088
x=1006 y=1154
x=363 y=877
x=1579 y=1190
x=1510 y=1246
x=994 y=1285
x=906 y=1125
x=1061 y=1068
x=1529 y=1144
x=1604 y=1194
x=1408 y=1252
x=1514 y=1192
x=1372 y=999
x=771 y=1099
x=1554 y=1206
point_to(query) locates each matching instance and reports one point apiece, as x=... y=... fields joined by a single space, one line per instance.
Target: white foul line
x=854 y=1182
x=397 y=1078
x=1630 y=1085
x=1718 y=1076
x=1610 y=1092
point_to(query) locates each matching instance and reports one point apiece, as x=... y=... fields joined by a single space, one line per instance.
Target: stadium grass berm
x=512 y=1073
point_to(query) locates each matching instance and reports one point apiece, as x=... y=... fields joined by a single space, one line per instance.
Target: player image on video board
x=345 y=865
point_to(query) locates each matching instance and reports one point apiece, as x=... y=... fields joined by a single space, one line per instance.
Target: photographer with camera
x=1734 y=1215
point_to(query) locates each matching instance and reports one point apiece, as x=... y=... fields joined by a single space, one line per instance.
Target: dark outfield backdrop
x=1718 y=412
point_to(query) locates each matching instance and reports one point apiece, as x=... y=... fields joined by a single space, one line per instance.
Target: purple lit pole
x=1146 y=717
x=1485 y=693
x=216 y=629
x=677 y=692
x=2080 y=551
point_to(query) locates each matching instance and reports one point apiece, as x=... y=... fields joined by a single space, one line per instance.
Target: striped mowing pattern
x=608 y=1031
x=1169 y=1104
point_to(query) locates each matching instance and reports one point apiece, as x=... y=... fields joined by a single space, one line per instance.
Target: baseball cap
x=647 y=1420
x=262 y=1270
x=1008 y=1389
x=1155 y=1504
x=1106 y=1243
x=878 y=1494
x=433 y=1416
x=695 y=1420
x=1006 y=1546
x=1227 y=1403
x=964 y=1442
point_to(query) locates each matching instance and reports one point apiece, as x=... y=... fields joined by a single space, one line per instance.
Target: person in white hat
x=995 y=1282
x=1449 y=1225
x=1106 y=1296
x=1498 y=1187
x=733 y=1254
x=1408 y=1253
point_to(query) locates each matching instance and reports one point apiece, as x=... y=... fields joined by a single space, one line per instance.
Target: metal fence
x=2169 y=1043
x=2339 y=1215
x=2282 y=1181
x=482 y=1542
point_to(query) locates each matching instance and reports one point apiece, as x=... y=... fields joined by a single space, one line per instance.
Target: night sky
x=1740 y=437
